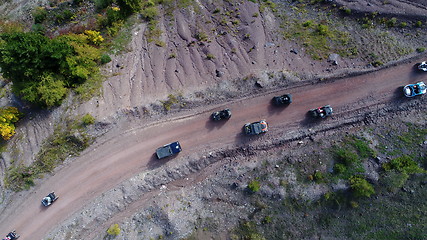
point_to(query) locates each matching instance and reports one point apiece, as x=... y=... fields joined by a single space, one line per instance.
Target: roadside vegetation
x=66 y=141
x=387 y=207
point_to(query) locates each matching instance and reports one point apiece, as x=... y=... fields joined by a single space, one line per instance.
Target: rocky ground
x=205 y=195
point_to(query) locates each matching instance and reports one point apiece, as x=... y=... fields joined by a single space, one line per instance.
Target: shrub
x=8 y=117
x=403 y=164
x=323 y=29
x=39 y=14
x=38 y=28
x=307 y=23
x=201 y=36
x=377 y=63
x=94 y=37
x=64 y=16
x=393 y=180
x=361 y=187
x=210 y=56
x=113 y=15
x=150 y=13
x=254 y=186
x=391 y=22
x=88 y=120
x=346 y=156
x=403 y=24
x=318 y=177
x=114 y=230
x=421 y=49
x=418 y=24
x=105 y=58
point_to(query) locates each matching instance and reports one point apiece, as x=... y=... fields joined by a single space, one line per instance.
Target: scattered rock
x=219 y=73
x=295 y=51
x=333 y=58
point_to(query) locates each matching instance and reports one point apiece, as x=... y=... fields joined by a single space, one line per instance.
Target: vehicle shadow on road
x=274 y=110
x=214 y=125
x=242 y=139
x=309 y=120
x=154 y=162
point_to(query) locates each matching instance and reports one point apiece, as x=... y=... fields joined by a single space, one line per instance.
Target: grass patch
x=319 y=39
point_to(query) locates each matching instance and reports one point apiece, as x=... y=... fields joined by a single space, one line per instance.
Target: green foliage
x=318 y=177
x=254 y=186
x=41 y=69
x=403 y=164
x=19 y=178
x=38 y=28
x=210 y=56
x=377 y=63
x=247 y=231
x=201 y=36
x=421 y=50
x=308 y=23
x=105 y=58
x=114 y=230
x=346 y=156
x=322 y=29
x=102 y=4
x=361 y=187
x=30 y=55
x=150 y=13
x=39 y=14
x=48 y=91
x=393 y=180
x=64 y=16
x=391 y=22
x=113 y=15
x=418 y=24
x=127 y=7
x=172 y=99
x=88 y=120
x=319 y=39
x=362 y=147
x=8 y=117
x=66 y=141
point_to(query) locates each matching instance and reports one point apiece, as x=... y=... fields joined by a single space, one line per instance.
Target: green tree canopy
x=41 y=68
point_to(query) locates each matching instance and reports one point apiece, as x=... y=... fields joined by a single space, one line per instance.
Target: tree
x=8 y=116
x=114 y=230
x=42 y=69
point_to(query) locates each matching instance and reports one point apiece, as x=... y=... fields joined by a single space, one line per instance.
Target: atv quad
x=11 y=236
x=49 y=199
x=220 y=115
x=255 y=128
x=321 y=112
x=283 y=100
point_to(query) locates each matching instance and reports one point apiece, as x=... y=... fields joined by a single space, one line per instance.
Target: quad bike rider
x=49 y=199
x=11 y=236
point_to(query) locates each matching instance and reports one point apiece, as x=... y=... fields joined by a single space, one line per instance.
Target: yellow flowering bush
x=94 y=37
x=8 y=116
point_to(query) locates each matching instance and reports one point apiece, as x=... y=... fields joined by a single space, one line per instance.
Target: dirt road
x=107 y=163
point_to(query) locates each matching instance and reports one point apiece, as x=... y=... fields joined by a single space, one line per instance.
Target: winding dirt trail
x=105 y=165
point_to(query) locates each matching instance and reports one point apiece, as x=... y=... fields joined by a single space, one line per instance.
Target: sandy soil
x=107 y=164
